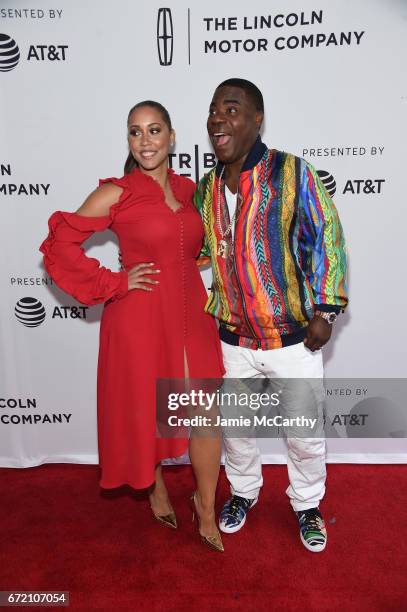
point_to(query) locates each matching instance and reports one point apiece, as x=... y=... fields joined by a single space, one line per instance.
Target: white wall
x=63 y=124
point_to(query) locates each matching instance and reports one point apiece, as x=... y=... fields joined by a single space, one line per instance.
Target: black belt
x=287 y=340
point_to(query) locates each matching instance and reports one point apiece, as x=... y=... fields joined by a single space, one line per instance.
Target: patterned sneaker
x=312 y=529
x=233 y=516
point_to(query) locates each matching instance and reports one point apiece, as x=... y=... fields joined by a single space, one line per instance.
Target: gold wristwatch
x=330 y=317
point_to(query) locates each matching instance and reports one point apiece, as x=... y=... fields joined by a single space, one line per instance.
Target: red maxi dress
x=143 y=334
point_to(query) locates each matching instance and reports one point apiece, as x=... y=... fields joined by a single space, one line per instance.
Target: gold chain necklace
x=223 y=246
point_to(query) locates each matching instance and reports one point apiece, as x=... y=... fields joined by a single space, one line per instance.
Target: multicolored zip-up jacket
x=288 y=255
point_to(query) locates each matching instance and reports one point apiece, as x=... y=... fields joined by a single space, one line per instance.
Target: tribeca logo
x=328 y=181
x=187 y=164
x=9 y=53
x=165 y=36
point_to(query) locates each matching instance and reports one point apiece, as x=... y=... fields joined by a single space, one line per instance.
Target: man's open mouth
x=220 y=138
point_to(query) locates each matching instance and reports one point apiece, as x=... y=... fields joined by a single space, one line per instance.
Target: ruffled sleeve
x=65 y=261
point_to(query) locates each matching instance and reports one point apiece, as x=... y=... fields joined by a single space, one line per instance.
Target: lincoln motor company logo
x=165 y=36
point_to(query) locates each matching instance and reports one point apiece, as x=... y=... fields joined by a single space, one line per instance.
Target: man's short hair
x=250 y=88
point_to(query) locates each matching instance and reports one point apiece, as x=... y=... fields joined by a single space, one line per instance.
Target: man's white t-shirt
x=231 y=201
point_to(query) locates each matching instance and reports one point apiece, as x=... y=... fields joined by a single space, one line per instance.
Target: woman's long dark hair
x=130 y=161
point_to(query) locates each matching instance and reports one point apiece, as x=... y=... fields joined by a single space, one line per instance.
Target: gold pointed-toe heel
x=214 y=542
x=169 y=520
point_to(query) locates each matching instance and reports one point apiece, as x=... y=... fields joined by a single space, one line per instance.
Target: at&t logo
x=352 y=186
x=328 y=181
x=31 y=313
x=9 y=53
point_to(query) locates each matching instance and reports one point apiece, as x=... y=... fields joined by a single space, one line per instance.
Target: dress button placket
x=183 y=280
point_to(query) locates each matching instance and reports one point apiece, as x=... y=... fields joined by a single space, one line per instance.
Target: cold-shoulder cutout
x=125 y=198
x=99 y=202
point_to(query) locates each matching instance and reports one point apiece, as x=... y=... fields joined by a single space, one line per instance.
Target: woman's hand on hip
x=139 y=278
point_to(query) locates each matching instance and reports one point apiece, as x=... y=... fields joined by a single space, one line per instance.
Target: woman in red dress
x=153 y=324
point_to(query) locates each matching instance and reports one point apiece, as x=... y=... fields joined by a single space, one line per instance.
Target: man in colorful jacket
x=277 y=251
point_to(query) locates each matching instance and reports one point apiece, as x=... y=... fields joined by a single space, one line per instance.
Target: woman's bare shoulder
x=98 y=203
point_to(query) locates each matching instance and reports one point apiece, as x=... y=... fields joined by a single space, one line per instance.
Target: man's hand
x=138 y=278
x=318 y=333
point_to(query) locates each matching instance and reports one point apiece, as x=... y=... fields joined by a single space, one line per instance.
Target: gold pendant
x=222 y=248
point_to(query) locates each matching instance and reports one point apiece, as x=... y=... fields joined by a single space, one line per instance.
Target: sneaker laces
x=236 y=505
x=312 y=520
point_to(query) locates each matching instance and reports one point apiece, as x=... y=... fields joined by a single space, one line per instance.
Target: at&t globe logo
x=9 y=53
x=30 y=312
x=328 y=181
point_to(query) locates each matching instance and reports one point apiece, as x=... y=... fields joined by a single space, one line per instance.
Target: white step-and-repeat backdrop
x=334 y=82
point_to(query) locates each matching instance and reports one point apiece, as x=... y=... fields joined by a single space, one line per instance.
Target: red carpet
x=58 y=531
